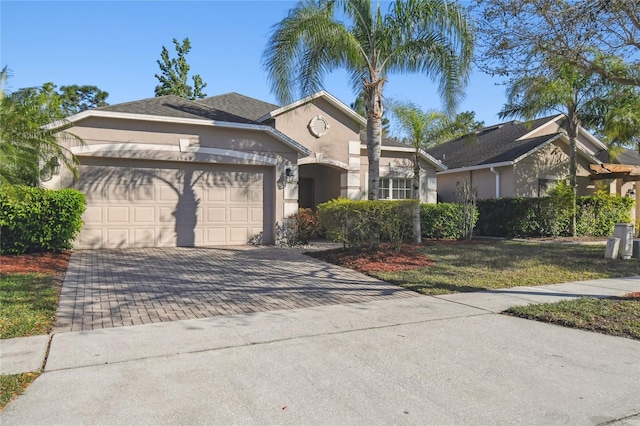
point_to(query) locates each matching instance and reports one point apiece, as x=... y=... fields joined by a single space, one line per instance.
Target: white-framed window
x=394 y=189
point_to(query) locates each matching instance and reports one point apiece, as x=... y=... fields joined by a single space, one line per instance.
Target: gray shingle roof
x=630 y=157
x=240 y=105
x=494 y=144
x=175 y=106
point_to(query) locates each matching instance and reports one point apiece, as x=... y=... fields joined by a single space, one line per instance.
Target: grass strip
x=615 y=316
x=503 y=264
x=12 y=385
x=27 y=304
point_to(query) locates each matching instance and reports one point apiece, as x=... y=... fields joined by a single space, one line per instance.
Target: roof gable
x=321 y=94
x=495 y=144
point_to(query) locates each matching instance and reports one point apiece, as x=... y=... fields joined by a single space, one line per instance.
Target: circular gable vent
x=318 y=126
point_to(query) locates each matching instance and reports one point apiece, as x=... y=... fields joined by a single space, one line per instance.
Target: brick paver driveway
x=111 y=288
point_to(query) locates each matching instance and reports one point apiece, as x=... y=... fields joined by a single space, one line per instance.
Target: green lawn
x=501 y=264
x=12 y=385
x=27 y=304
x=616 y=316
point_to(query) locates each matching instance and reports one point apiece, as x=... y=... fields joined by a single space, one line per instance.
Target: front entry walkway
x=113 y=288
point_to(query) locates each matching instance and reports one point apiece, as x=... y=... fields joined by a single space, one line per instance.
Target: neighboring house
x=515 y=159
x=626 y=185
x=167 y=171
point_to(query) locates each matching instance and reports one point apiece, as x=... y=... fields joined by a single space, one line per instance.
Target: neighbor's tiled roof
x=240 y=105
x=175 y=106
x=494 y=144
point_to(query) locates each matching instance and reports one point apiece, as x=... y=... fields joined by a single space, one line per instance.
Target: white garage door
x=133 y=203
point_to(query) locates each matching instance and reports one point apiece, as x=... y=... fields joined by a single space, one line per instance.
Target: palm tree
x=27 y=148
x=564 y=90
x=421 y=128
x=433 y=37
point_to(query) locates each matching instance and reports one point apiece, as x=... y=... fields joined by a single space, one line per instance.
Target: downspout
x=495 y=172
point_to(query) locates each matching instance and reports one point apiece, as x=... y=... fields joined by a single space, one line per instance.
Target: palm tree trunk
x=573 y=134
x=373 y=102
x=417 y=231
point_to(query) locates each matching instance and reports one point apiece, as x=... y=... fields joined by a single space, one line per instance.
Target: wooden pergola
x=628 y=173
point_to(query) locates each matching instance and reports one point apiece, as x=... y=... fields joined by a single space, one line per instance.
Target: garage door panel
x=238 y=195
x=118 y=214
x=213 y=195
x=256 y=195
x=90 y=238
x=144 y=214
x=169 y=204
x=216 y=214
x=118 y=237
x=165 y=214
x=168 y=194
x=92 y=215
x=216 y=235
x=143 y=237
x=238 y=235
x=238 y=214
x=143 y=193
x=257 y=214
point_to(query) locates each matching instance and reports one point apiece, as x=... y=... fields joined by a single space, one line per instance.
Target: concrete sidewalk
x=422 y=360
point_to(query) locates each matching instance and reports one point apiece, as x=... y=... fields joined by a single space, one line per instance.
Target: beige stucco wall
x=99 y=130
x=249 y=147
x=550 y=162
x=335 y=143
x=483 y=180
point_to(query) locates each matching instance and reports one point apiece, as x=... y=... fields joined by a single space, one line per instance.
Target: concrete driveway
x=113 y=288
x=444 y=360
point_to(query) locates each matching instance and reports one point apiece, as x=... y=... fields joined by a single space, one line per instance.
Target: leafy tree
x=566 y=90
x=617 y=118
x=595 y=36
x=432 y=37
x=75 y=99
x=28 y=150
x=175 y=72
x=464 y=124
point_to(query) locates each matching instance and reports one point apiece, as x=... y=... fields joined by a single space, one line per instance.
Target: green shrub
x=307 y=225
x=442 y=220
x=39 y=220
x=551 y=216
x=598 y=214
x=509 y=217
x=365 y=223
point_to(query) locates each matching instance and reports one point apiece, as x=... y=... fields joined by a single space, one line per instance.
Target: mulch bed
x=386 y=259
x=45 y=263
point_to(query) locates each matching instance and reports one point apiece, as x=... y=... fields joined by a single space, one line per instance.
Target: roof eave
x=424 y=155
x=194 y=121
x=476 y=167
x=332 y=100
x=532 y=131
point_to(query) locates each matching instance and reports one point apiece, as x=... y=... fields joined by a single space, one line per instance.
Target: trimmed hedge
x=36 y=220
x=366 y=223
x=596 y=215
x=442 y=220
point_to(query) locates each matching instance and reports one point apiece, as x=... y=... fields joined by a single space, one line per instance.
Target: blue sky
x=114 y=45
